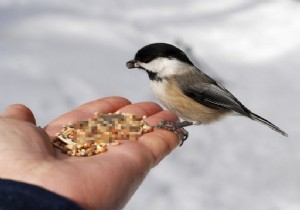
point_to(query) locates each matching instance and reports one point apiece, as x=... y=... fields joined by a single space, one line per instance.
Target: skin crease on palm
x=105 y=181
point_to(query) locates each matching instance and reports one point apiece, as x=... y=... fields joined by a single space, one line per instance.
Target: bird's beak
x=132 y=64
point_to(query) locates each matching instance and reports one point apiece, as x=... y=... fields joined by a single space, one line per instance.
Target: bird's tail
x=268 y=123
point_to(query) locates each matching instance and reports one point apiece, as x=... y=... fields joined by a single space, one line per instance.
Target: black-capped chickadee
x=185 y=90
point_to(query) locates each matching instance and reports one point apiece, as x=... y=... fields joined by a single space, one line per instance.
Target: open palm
x=104 y=181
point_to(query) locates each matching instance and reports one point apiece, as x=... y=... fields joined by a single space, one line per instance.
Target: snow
x=56 y=55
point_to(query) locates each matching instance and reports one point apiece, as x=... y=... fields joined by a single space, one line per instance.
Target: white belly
x=161 y=90
x=158 y=89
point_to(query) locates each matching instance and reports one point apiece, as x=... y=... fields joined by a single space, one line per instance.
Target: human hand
x=105 y=181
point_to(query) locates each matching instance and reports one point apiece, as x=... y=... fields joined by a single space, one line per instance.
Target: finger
x=19 y=112
x=160 y=142
x=141 y=109
x=104 y=105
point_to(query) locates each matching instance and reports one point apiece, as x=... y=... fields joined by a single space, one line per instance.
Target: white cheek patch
x=166 y=66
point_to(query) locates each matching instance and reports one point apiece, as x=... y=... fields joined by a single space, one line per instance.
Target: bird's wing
x=214 y=96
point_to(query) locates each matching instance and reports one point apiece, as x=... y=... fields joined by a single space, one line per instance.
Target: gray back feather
x=208 y=92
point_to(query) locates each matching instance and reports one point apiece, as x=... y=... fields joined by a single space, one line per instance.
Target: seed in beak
x=131 y=64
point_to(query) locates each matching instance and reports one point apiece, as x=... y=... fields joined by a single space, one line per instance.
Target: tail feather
x=268 y=123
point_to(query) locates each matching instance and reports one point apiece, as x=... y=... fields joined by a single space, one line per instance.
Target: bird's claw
x=175 y=127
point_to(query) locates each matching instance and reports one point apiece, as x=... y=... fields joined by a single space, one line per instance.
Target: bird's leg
x=170 y=125
x=177 y=128
x=184 y=124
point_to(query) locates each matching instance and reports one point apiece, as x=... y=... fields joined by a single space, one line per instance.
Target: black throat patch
x=153 y=76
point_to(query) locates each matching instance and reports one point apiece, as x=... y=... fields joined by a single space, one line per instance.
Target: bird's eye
x=146 y=60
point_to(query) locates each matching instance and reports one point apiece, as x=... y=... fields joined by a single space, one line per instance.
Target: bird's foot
x=177 y=128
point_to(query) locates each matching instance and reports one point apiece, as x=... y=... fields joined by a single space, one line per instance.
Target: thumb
x=18 y=112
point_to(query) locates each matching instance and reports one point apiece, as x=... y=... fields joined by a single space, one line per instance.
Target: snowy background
x=56 y=55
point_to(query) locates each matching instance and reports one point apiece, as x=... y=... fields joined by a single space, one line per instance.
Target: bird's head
x=160 y=60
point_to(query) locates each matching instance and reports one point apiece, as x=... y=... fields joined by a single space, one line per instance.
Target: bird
x=187 y=91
